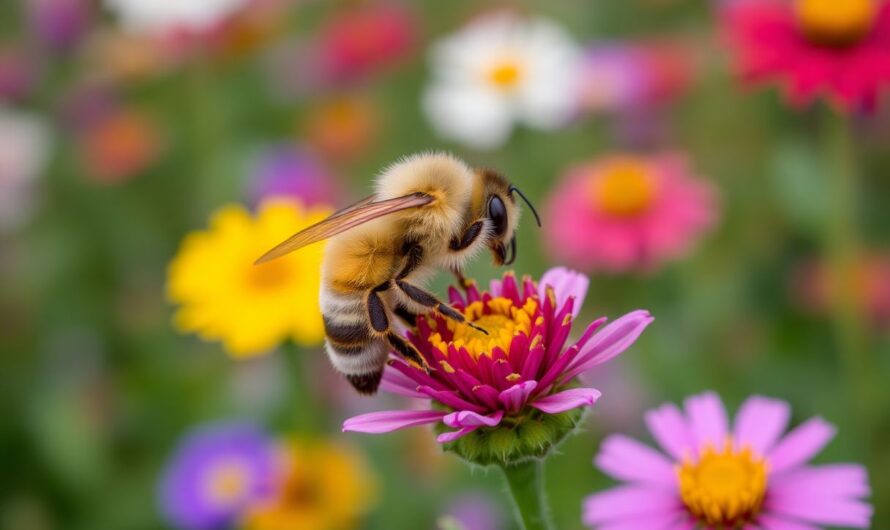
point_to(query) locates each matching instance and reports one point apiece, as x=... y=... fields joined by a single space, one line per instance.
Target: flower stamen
x=835 y=23
x=723 y=489
x=624 y=189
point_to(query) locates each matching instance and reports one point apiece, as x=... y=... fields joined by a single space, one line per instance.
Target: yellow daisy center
x=723 y=489
x=625 y=188
x=269 y=276
x=499 y=317
x=836 y=22
x=227 y=482
x=505 y=74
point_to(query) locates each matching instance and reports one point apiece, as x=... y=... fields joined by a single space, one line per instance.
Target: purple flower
x=18 y=74
x=215 y=473
x=714 y=475
x=475 y=510
x=520 y=375
x=292 y=172
x=59 y=23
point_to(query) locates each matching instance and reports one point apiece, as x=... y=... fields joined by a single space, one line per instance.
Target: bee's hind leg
x=377 y=315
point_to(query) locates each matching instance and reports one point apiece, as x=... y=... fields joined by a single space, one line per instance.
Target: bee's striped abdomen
x=351 y=346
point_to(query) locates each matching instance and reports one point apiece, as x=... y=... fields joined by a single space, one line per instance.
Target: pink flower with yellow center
x=814 y=47
x=627 y=212
x=714 y=476
x=513 y=389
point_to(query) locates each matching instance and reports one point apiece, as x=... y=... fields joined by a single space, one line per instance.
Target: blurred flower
x=814 y=47
x=342 y=127
x=252 y=28
x=633 y=77
x=510 y=394
x=499 y=70
x=166 y=16
x=362 y=40
x=749 y=477
x=475 y=510
x=60 y=24
x=120 y=145
x=322 y=486
x=119 y=56
x=215 y=473
x=626 y=212
x=250 y=308
x=815 y=289
x=292 y=172
x=24 y=151
x=17 y=73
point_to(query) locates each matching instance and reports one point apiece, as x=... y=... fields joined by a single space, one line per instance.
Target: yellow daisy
x=324 y=486
x=223 y=296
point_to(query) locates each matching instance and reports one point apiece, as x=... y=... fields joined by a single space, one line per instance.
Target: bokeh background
x=116 y=142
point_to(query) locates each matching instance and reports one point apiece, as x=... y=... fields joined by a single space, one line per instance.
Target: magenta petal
x=451 y=436
x=514 y=398
x=398 y=383
x=760 y=422
x=610 y=342
x=628 y=503
x=391 y=420
x=450 y=398
x=769 y=522
x=626 y=459
x=801 y=444
x=707 y=420
x=823 y=512
x=670 y=430
x=567 y=400
x=831 y=481
x=565 y=284
x=466 y=418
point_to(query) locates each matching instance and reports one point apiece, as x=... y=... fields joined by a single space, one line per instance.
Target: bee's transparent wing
x=344 y=220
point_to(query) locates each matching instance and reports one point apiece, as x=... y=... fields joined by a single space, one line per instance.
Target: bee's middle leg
x=377 y=315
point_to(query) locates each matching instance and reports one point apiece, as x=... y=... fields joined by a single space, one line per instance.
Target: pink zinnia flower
x=627 y=212
x=519 y=375
x=813 y=47
x=712 y=476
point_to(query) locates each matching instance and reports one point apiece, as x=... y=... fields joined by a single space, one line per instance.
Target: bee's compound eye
x=497 y=212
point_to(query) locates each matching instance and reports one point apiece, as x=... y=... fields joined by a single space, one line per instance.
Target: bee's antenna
x=513 y=189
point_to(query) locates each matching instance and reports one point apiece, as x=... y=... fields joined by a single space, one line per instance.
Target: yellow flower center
x=499 y=317
x=836 y=22
x=227 y=482
x=723 y=489
x=269 y=276
x=506 y=74
x=624 y=189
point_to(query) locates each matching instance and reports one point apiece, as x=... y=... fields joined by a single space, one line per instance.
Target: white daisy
x=498 y=70
x=24 y=148
x=154 y=16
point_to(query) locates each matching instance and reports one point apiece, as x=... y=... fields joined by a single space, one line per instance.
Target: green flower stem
x=526 y=483
x=844 y=255
x=303 y=410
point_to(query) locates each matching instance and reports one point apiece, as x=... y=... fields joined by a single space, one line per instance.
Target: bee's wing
x=364 y=202
x=351 y=217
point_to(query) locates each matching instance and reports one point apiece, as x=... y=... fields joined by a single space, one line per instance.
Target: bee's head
x=499 y=206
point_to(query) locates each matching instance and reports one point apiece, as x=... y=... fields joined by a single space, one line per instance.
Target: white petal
x=469 y=114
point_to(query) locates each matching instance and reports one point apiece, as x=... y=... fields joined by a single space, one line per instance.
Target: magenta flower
x=293 y=172
x=520 y=376
x=215 y=474
x=626 y=212
x=713 y=476
x=814 y=47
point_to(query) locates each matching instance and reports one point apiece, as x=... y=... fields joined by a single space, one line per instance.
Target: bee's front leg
x=429 y=300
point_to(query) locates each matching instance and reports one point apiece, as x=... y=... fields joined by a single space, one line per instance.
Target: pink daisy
x=626 y=212
x=837 y=48
x=746 y=477
x=519 y=376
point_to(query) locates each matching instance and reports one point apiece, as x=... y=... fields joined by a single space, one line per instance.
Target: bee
x=429 y=212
